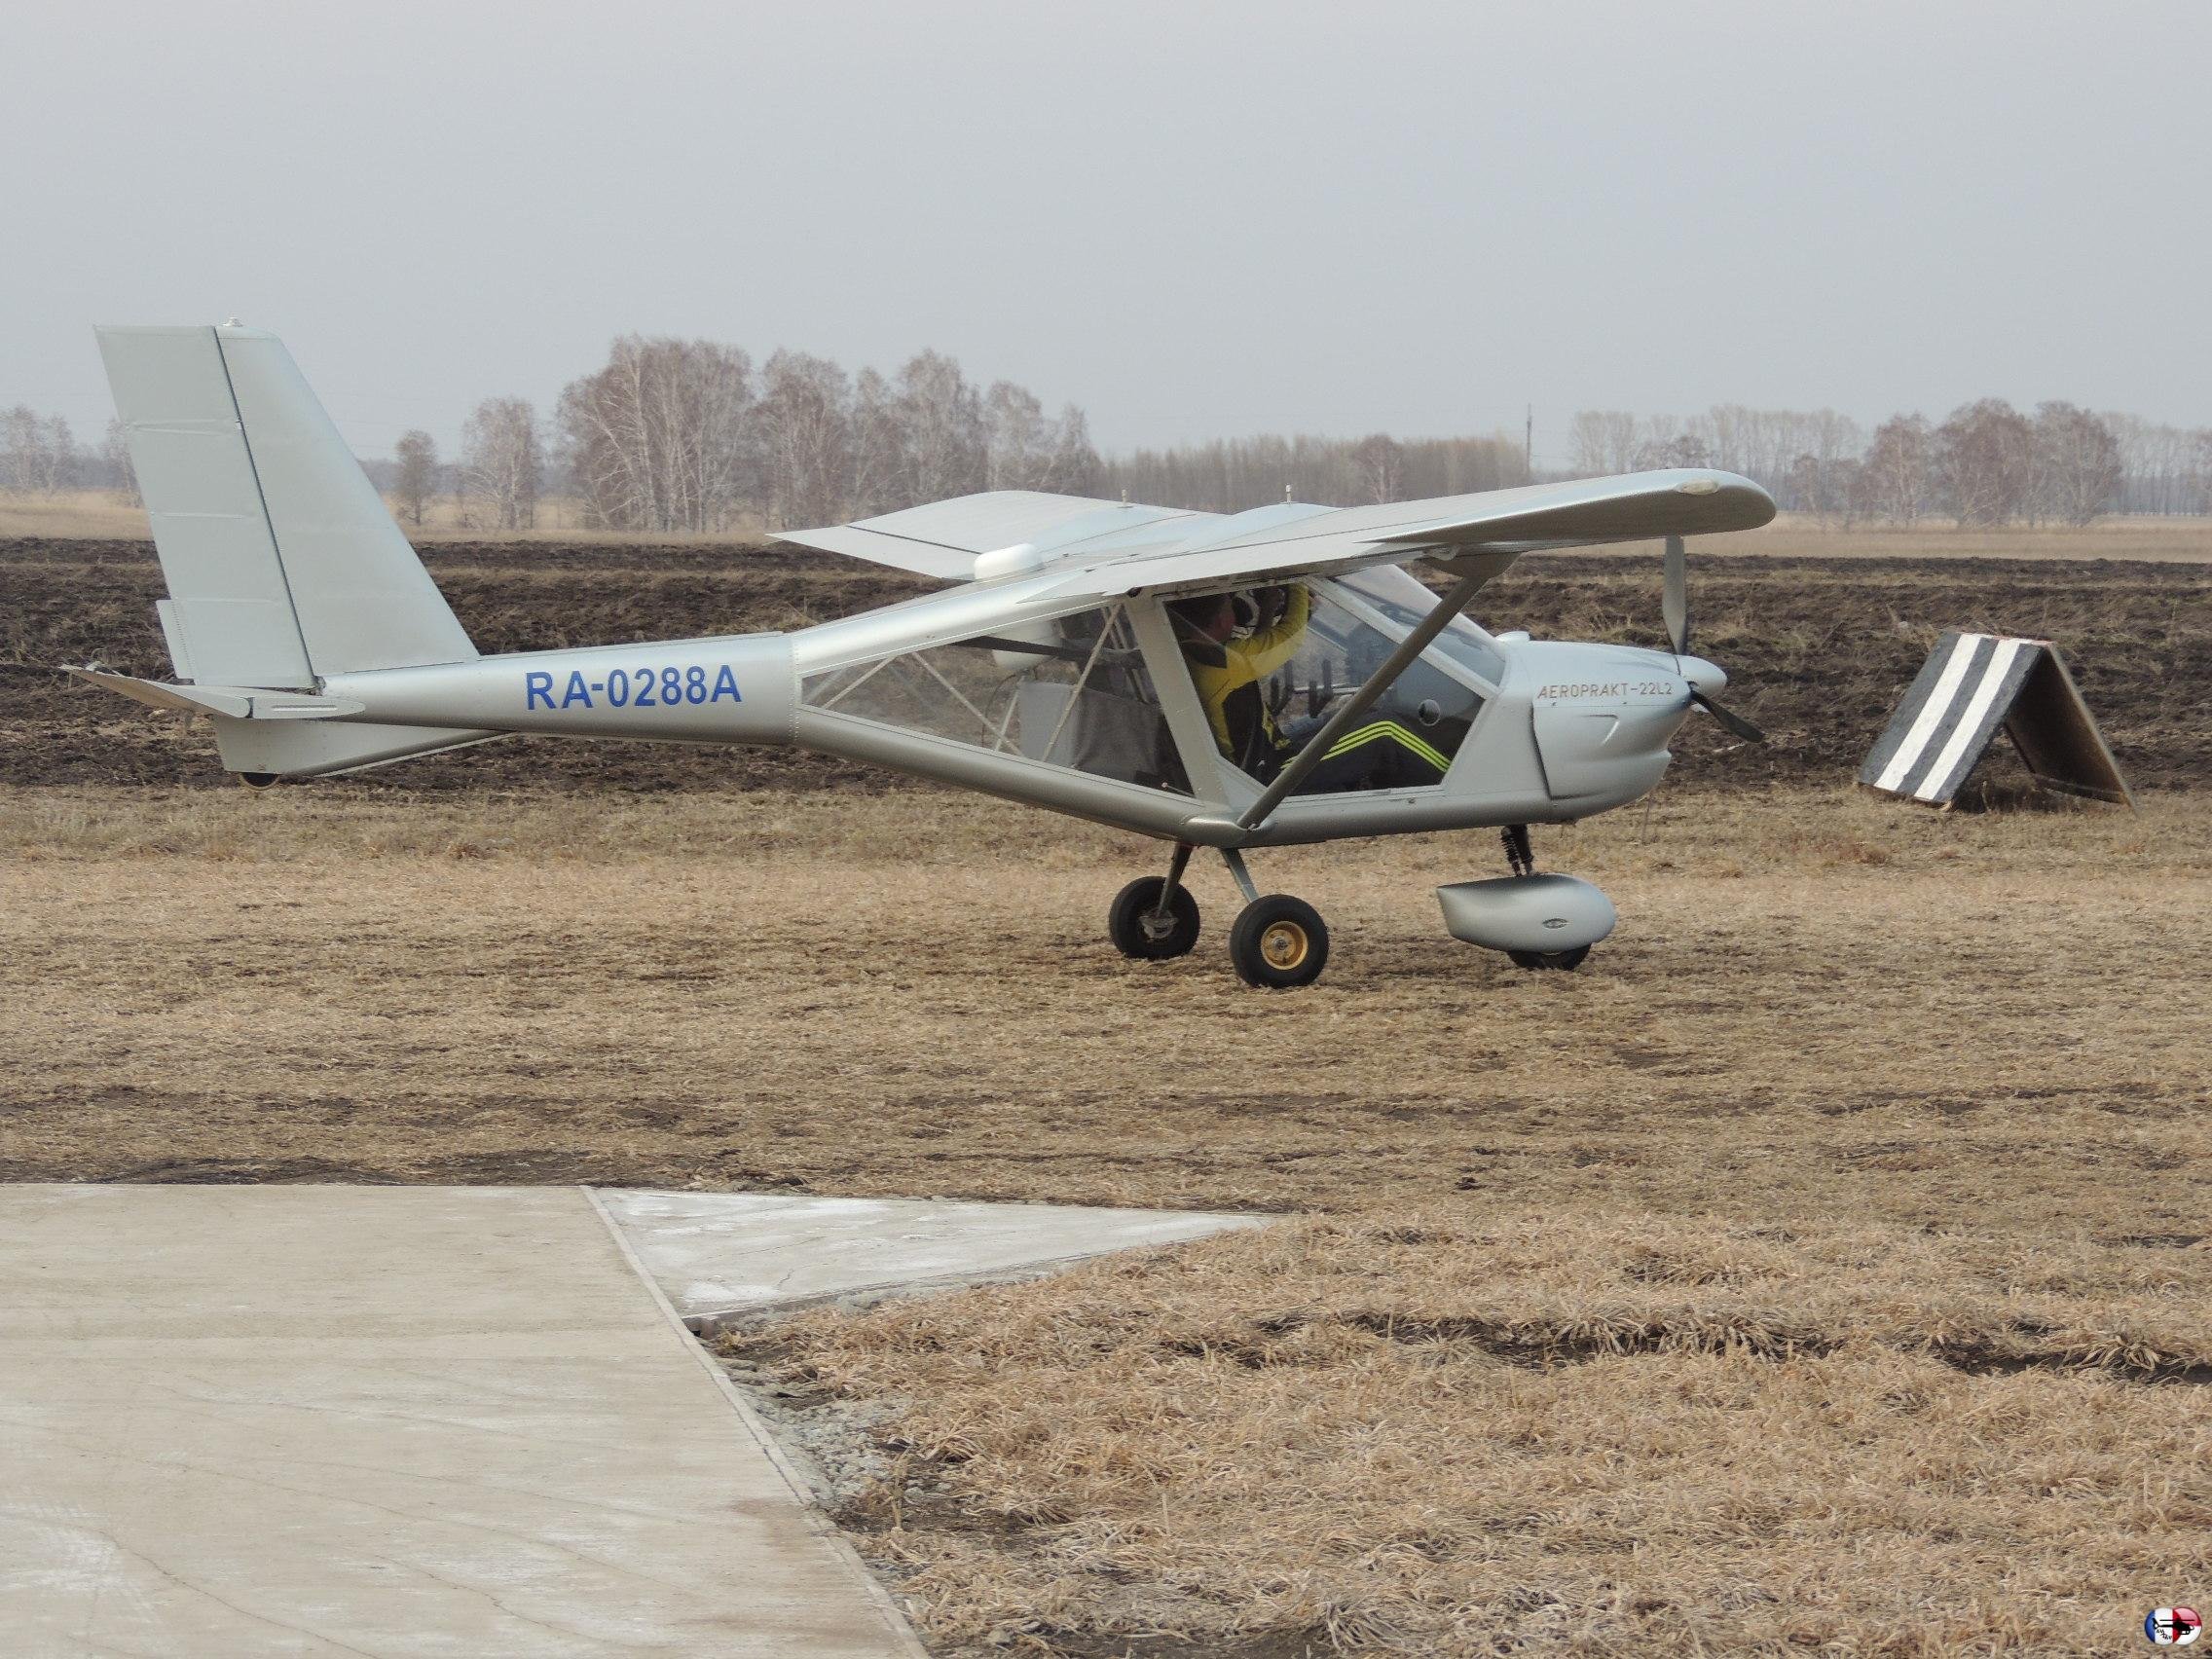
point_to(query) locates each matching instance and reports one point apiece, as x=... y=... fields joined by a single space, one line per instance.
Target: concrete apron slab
x=243 y=1421
x=724 y=1256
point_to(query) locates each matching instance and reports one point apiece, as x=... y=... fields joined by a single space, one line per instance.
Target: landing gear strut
x=1276 y=941
x=1520 y=859
x=1154 y=919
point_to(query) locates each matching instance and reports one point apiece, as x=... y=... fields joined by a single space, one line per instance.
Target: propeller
x=1675 y=610
x=1674 y=602
x=1728 y=718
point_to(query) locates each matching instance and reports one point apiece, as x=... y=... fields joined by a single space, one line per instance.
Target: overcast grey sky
x=1195 y=220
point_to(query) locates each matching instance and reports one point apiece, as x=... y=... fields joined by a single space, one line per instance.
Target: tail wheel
x=1563 y=960
x=1278 y=941
x=1140 y=929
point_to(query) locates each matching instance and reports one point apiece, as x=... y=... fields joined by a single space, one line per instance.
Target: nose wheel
x=1565 y=961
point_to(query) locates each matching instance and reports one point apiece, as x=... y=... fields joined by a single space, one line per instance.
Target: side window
x=1401 y=597
x=1071 y=693
x=1270 y=667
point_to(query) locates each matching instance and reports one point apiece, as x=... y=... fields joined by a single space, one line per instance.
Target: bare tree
x=1381 y=463
x=1984 y=462
x=2158 y=465
x=805 y=422
x=2077 y=468
x=1231 y=476
x=416 y=455
x=1899 y=470
x=1076 y=466
x=502 y=460
x=1672 y=442
x=879 y=446
x=115 y=458
x=657 y=439
x=942 y=430
x=22 y=441
x=1602 y=442
x=1019 y=442
x=38 y=455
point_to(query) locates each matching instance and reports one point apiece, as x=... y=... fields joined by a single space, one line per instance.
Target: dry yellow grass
x=72 y=512
x=1483 y=1428
x=2163 y=540
x=2159 y=540
x=104 y=515
x=1821 y=1268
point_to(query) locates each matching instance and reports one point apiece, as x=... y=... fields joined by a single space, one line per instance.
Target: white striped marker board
x=1971 y=685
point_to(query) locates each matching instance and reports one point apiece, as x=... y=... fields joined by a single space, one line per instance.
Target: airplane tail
x=282 y=564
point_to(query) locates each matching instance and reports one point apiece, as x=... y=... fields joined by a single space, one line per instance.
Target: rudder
x=280 y=560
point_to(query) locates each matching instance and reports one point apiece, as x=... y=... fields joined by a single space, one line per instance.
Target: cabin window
x=1271 y=665
x=1405 y=600
x=1070 y=692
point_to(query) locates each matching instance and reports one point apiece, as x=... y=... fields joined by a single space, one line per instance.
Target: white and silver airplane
x=1231 y=681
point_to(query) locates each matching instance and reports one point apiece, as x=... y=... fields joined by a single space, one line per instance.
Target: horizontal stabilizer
x=287 y=734
x=233 y=702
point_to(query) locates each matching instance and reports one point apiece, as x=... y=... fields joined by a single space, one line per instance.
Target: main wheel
x=1137 y=931
x=1560 y=959
x=1278 y=941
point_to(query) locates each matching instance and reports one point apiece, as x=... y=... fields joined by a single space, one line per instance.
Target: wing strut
x=1380 y=680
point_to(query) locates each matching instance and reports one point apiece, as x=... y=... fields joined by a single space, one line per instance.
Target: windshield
x=1274 y=665
x=1405 y=600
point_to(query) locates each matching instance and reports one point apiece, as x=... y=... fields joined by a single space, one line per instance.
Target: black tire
x=1130 y=925
x=1566 y=961
x=1278 y=941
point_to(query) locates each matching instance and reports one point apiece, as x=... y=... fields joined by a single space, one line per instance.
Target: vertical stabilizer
x=280 y=560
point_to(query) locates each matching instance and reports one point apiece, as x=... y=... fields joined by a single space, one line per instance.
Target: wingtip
x=1733 y=490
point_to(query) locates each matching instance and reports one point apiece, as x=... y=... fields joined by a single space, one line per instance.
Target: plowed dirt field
x=1818 y=648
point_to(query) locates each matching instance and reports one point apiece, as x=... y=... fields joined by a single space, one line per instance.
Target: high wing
x=1108 y=549
x=942 y=538
x=1491 y=529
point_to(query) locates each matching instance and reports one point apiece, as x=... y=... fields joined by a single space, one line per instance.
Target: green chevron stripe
x=1397 y=734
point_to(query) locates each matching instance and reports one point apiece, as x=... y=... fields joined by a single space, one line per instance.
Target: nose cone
x=1704 y=677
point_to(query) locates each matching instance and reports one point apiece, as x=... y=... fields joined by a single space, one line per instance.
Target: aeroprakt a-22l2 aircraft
x=1233 y=681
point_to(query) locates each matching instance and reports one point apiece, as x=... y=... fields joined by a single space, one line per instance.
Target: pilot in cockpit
x=1231 y=643
x=1228 y=667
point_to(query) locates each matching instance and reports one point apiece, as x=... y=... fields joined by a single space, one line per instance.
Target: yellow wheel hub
x=1284 y=945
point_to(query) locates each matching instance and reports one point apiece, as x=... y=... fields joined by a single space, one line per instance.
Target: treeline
x=1986 y=464
x=690 y=437
x=1228 y=476
x=40 y=456
x=693 y=437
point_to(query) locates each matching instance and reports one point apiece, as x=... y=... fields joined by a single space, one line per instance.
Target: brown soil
x=1820 y=650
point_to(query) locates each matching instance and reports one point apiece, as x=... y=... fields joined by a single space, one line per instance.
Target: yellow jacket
x=1220 y=670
